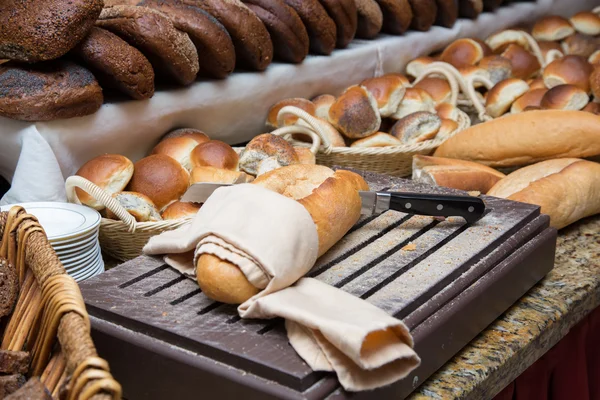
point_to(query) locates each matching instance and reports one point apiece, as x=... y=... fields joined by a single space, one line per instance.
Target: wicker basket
x=50 y=307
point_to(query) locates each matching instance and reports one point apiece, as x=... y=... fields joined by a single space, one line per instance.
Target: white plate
x=97 y=270
x=62 y=220
x=94 y=232
x=64 y=253
x=75 y=244
x=85 y=268
x=89 y=259
x=84 y=254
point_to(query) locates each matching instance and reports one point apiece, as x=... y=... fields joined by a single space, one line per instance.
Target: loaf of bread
x=566 y=189
x=456 y=174
x=218 y=175
x=9 y=288
x=111 y=172
x=526 y=138
x=345 y=15
x=424 y=14
x=370 y=19
x=322 y=31
x=267 y=146
x=331 y=198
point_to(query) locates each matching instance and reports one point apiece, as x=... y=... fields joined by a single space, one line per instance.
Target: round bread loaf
x=355 y=114
x=322 y=105
x=34 y=30
x=491 y=5
x=501 y=97
x=345 y=15
x=267 y=146
x=289 y=36
x=213 y=43
x=447 y=127
x=298 y=102
x=218 y=175
x=424 y=14
x=253 y=45
x=415 y=67
x=417 y=127
x=388 y=91
x=498 y=67
x=463 y=53
x=320 y=27
x=137 y=205
x=533 y=98
x=170 y=51
x=565 y=97
x=370 y=19
x=397 y=16
x=447 y=111
x=327 y=129
x=438 y=88
x=379 y=139
x=180 y=210
x=111 y=172
x=116 y=64
x=447 y=13
x=215 y=153
x=579 y=44
x=197 y=135
x=552 y=28
x=524 y=64
x=573 y=70
x=537 y=83
x=586 y=22
x=415 y=99
x=499 y=41
x=470 y=8
x=161 y=178
x=48 y=91
x=9 y=282
x=178 y=148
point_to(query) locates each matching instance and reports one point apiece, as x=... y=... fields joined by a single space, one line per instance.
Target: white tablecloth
x=36 y=157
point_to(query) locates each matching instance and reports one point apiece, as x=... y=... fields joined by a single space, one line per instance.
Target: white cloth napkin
x=274 y=242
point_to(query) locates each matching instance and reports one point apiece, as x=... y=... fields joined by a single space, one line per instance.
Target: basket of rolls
x=140 y=200
x=377 y=125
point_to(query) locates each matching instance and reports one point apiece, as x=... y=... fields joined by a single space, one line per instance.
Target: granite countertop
x=531 y=326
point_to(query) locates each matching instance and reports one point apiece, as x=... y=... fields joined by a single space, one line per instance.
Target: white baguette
x=566 y=189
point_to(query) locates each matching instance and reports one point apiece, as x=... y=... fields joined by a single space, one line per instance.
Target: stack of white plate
x=72 y=230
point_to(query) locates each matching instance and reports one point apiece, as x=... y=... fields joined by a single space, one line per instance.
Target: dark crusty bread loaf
x=424 y=14
x=171 y=52
x=9 y=291
x=397 y=16
x=345 y=15
x=253 y=45
x=370 y=19
x=47 y=91
x=34 y=389
x=491 y=5
x=213 y=43
x=33 y=30
x=447 y=13
x=289 y=36
x=14 y=362
x=10 y=384
x=116 y=64
x=319 y=25
x=470 y=8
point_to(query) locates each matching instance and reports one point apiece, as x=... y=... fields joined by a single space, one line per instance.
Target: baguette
x=330 y=197
x=566 y=189
x=526 y=138
x=456 y=174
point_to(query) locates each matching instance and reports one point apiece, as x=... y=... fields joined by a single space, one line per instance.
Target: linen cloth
x=274 y=241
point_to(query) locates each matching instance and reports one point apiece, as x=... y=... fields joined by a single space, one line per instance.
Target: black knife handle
x=469 y=207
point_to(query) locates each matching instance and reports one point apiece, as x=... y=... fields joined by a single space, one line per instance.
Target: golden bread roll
x=322 y=105
x=524 y=64
x=197 y=135
x=214 y=153
x=552 y=28
x=537 y=83
x=265 y=146
x=305 y=156
x=332 y=200
x=111 y=172
x=456 y=174
x=447 y=127
x=579 y=44
x=566 y=189
x=137 y=205
x=533 y=98
x=463 y=52
x=471 y=71
x=416 y=67
x=565 y=97
x=526 y=138
x=355 y=113
x=181 y=209
x=415 y=100
x=500 y=40
x=417 y=127
x=178 y=148
x=586 y=22
x=447 y=111
x=501 y=97
x=379 y=139
x=438 y=88
x=498 y=68
x=301 y=103
x=388 y=91
x=218 y=175
x=574 y=70
x=329 y=132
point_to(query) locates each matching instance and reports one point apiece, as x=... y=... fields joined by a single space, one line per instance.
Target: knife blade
x=436 y=205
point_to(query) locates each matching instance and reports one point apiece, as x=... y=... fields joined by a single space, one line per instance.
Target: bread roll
x=330 y=197
x=533 y=98
x=499 y=41
x=552 y=28
x=524 y=64
x=180 y=209
x=195 y=134
x=579 y=44
x=537 y=83
x=462 y=53
x=438 y=88
x=417 y=127
x=586 y=22
x=471 y=71
x=501 y=97
x=566 y=189
x=456 y=174
x=161 y=178
x=218 y=175
x=388 y=91
x=526 y=138
x=138 y=205
x=322 y=105
x=447 y=111
x=178 y=148
x=565 y=97
x=111 y=172
x=370 y=19
x=214 y=153
x=574 y=70
x=546 y=47
x=329 y=132
x=416 y=67
x=415 y=100
x=265 y=146
x=470 y=8
x=380 y=139
x=305 y=156
x=498 y=68
x=301 y=103
x=447 y=127
x=594 y=58
x=355 y=114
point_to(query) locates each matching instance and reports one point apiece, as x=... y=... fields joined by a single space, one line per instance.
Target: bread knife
x=436 y=205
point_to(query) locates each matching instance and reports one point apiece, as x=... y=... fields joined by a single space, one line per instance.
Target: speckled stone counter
x=531 y=326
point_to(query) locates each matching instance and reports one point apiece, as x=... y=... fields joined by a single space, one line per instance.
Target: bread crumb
x=410 y=247
x=474 y=193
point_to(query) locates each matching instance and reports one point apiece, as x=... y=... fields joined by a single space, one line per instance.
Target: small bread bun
x=537 y=83
x=533 y=98
x=498 y=68
x=303 y=104
x=380 y=139
x=138 y=205
x=565 y=97
x=305 y=156
x=415 y=99
x=501 y=97
x=447 y=128
x=566 y=189
x=586 y=22
x=178 y=148
x=447 y=111
x=265 y=146
x=471 y=71
x=215 y=153
x=552 y=28
x=499 y=41
x=388 y=91
x=322 y=105
x=594 y=58
x=161 y=178
x=574 y=70
x=593 y=108
x=579 y=44
x=180 y=210
x=546 y=47
x=197 y=135
x=415 y=67
x=463 y=52
x=524 y=64
x=438 y=88
x=595 y=82
x=218 y=175
x=355 y=113
x=111 y=172
x=456 y=174
x=417 y=127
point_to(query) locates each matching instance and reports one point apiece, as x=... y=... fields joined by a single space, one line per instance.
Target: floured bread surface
x=295 y=182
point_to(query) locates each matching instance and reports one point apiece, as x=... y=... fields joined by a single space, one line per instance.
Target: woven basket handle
x=472 y=94
x=447 y=73
x=99 y=195
x=314 y=130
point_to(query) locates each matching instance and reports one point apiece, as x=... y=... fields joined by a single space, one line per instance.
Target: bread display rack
x=49 y=319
